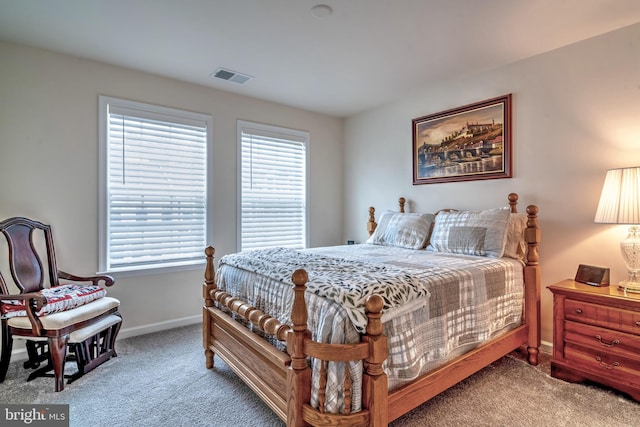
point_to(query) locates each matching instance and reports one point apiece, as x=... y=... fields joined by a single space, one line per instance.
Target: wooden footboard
x=283 y=378
x=260 y=365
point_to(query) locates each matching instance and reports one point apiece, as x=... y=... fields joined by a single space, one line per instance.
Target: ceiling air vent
x=232 y=76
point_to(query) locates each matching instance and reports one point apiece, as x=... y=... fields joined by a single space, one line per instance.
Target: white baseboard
x=157 y=327
x=20 y=353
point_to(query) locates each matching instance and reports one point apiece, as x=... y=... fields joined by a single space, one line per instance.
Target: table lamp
x=620 y=204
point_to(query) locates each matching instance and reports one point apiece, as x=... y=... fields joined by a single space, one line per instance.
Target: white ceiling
x=367 y=53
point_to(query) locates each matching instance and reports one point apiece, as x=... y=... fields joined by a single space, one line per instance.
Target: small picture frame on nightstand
x=591 y=275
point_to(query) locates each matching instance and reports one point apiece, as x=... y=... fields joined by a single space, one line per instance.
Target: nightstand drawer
x=605 y=340
x=608 y=317
x=603 y=363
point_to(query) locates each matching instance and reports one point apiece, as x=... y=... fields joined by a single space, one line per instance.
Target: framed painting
x=463 y=144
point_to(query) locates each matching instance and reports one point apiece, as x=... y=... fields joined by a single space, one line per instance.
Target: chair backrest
x=24 y=261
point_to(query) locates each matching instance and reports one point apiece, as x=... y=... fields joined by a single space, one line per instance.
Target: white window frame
x=161 y=113
x=293 y=134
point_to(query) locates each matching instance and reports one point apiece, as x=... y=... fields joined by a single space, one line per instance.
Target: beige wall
x=576 y=113
x=49 y=160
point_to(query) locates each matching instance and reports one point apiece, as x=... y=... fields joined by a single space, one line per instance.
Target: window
x=153 y=185
x=272 y=198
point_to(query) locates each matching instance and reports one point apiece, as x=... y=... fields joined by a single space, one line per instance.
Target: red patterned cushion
x=59 y=298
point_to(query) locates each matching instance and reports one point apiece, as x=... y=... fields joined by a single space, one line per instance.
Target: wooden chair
x=68 y=311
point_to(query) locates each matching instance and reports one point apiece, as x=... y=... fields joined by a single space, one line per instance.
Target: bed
x=320 y=345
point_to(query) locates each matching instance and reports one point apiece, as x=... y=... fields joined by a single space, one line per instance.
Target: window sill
x=150 y=271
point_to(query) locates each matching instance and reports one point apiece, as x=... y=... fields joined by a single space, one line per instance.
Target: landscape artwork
x=462 y=144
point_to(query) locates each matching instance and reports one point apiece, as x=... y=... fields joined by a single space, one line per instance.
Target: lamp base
x=630 y=248
x=629 y=286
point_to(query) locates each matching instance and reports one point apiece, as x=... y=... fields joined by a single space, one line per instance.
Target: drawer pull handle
x=606 y=365
x=578 y=310
x=607 y=344
x=638 y=323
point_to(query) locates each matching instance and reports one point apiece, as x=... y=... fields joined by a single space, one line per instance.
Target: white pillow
x=481 y=233
x=515 y=246
x=405 y=230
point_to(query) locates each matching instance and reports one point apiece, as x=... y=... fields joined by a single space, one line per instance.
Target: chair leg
x=111 y=340
x=7 y=347
x=58 y=349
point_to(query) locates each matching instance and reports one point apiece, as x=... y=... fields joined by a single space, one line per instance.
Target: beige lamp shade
x=620 y=198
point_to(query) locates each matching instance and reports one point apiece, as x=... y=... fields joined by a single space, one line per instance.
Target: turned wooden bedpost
x=513 y=202
x=401 y=202
x=299 y=372
x=374 y=382
x=371 y=224
x=208 y=285
x=532 y=279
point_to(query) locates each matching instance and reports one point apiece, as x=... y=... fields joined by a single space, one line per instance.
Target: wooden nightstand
x=596 y=336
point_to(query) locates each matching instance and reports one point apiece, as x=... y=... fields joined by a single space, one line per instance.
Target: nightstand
x=596 y=336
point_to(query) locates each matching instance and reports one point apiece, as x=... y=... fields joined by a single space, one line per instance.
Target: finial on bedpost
x=401 y=202
x=371 y=224
x=513 y=202
x=209 y=272
x=208 y=286
x=299 y=373
x=374 y=306
x=374 y=381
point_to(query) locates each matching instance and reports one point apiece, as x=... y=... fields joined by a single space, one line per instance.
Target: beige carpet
x=510 y=392
x=160 y=380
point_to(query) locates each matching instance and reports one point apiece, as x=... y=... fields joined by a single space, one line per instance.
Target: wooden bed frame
x=283 y=379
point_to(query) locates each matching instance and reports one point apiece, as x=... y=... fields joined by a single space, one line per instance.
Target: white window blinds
x=156 y=186
x=273 y=194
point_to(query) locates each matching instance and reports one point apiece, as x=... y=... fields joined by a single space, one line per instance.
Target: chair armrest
x=30 y=298
x=33 y=302
x=107 y=280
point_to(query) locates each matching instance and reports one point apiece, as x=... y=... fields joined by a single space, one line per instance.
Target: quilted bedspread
x=346 y=281
x=437 y=305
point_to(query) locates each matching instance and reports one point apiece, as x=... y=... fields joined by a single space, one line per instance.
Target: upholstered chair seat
x=67 y=318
